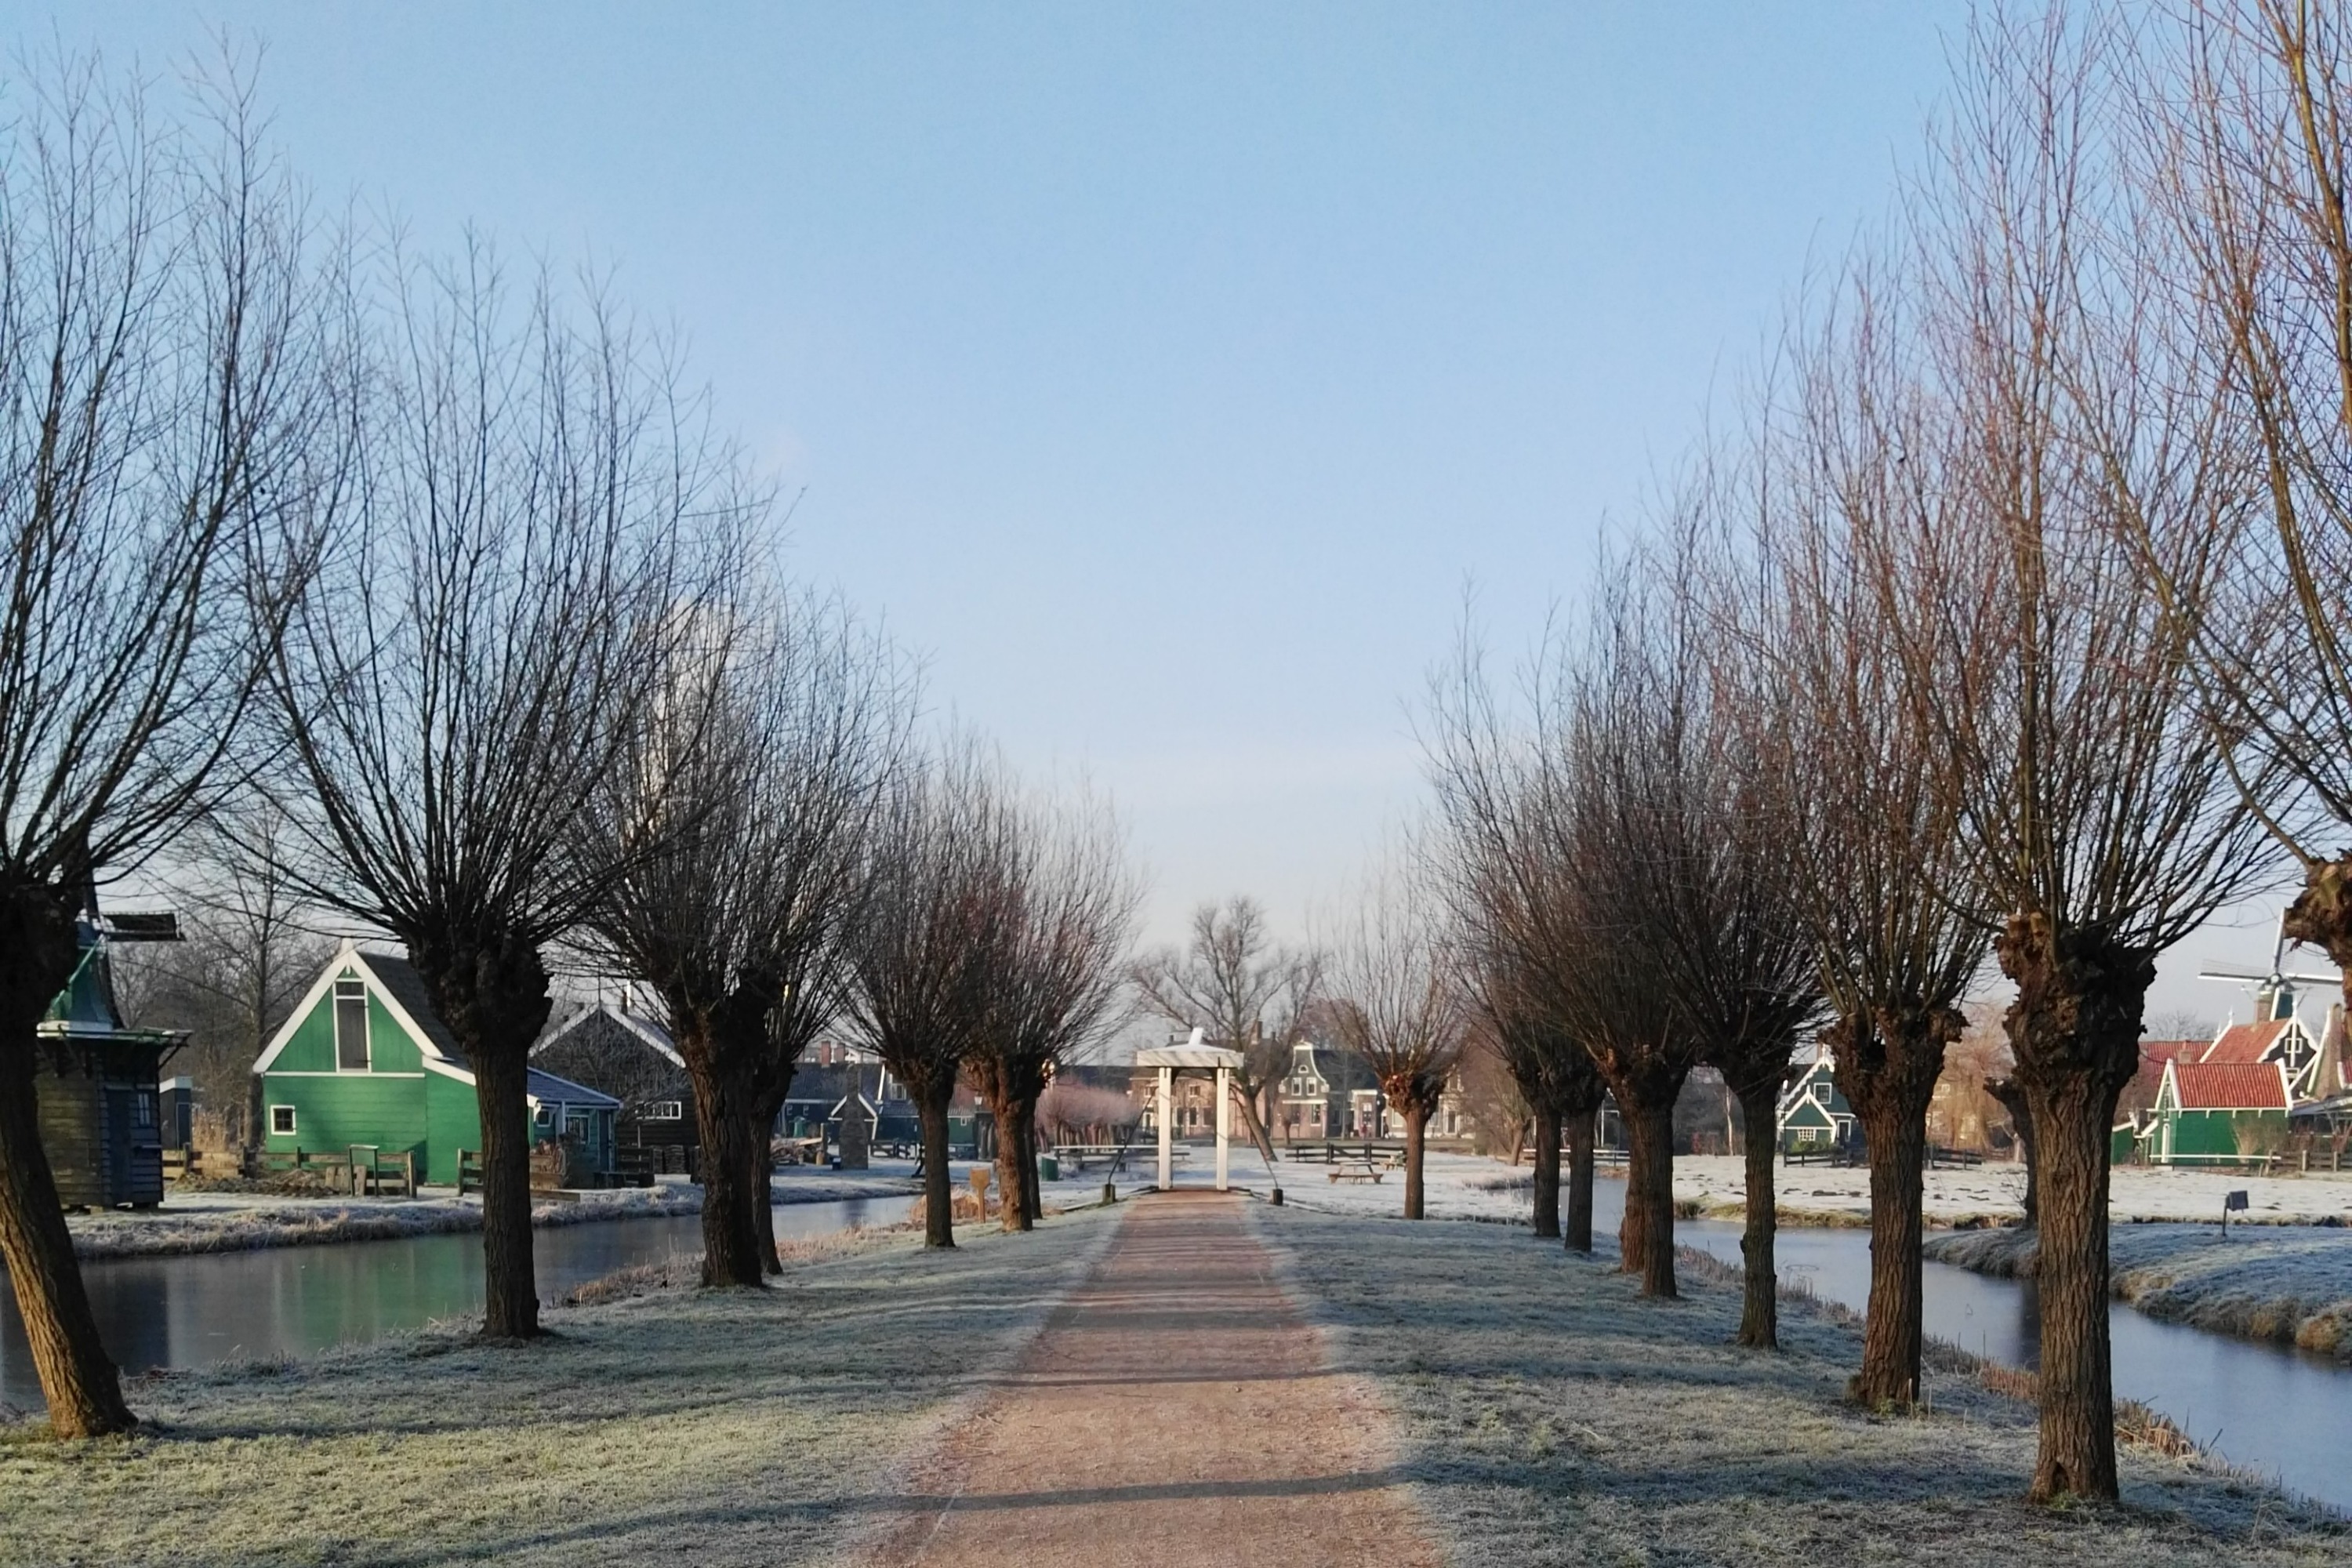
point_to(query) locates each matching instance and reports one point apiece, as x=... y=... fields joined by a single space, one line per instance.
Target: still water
x=186 y=1310
x=2279 y=1410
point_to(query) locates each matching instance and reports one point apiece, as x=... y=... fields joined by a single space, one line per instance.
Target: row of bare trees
x=2009 y=627
x=431 y=596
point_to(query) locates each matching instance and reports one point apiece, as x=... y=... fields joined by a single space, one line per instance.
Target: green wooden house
x=363 y=1061
x=1812 y=1113
x=2214 y=1113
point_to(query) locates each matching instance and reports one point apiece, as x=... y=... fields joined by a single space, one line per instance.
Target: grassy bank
x=218 y=1222
x=726 y=1427
x=1556 y=1417
x=2287 y=1285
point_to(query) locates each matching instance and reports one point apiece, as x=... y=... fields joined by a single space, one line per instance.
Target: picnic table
x=1358 y=1171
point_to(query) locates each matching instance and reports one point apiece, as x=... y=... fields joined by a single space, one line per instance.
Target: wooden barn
x=95 y=1080
x=364 y=1062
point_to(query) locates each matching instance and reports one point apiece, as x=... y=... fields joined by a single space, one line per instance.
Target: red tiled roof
x=2154 y=1054
x=2229 y=1086
x=2246 y=1043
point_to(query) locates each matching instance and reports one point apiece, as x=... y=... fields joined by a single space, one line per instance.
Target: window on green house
x=281 y=1121
x=352 y=1026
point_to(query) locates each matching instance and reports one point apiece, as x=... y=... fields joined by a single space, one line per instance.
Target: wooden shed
x=96 y=1079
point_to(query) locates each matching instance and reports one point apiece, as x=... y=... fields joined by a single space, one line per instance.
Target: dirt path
x=1178 y=1408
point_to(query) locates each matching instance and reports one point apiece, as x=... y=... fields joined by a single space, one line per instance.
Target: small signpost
x=2233 y=1203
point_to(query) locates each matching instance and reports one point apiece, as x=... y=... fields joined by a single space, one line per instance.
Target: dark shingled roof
x=397 y=975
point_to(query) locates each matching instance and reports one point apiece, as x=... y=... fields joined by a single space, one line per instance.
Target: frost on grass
x=2288 y=1285
x=732 y=1426
x=1554 y=1416
x=245 y=1221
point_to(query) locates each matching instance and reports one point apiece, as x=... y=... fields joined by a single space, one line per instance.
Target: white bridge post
x=1224 y=1121
x=1167 y=1132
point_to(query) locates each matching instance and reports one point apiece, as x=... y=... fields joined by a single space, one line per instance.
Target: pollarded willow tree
x=734 y=837
x=2246 y=149
x=1063 y=968
x=518 y=559
x=1555 y=1075
x=159 y=438
x=1399 y=1003
x=1878 y=870
x=1564 y=827
x=942 y=912
x=2058 y=671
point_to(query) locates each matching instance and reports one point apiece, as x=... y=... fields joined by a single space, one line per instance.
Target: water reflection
x=2283 y=1412
x=293 y=1300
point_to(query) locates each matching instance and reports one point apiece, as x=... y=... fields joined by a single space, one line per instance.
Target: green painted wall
x=334 y=1111
x=312 y=1049
x=453 y=1121
x=2212 y=1133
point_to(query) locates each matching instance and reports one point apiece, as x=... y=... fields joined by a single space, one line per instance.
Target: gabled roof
x=538 y=1087
x=2228 y=1086
x=395 y=980
x=2162 y=1051
x=655 y=1037
x=2246 y=1043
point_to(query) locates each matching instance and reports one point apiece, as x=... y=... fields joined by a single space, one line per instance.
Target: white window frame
x=664 y=1110
x=358 y=991
x=286 y=1111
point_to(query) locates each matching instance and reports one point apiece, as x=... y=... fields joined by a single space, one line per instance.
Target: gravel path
x=1178 y=1408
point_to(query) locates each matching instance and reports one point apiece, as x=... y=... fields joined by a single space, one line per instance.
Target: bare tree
x=1557 y=1080
x=2246 y=145
x=159 y=360
x=249 y=953
x=2059 y=672
x=1565 y=825
x=1877 y=868
x=931 y=938
x=1397 y=1002
x=1241 y=989
x=735 y=840
x=518 y=561
x=1063 y=970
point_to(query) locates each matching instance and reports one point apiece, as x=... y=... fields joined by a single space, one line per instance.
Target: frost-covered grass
x=706 y=1427
x=240 y=1222
x=2287 y=1284
x=1553 y=1416
x=1841 y=1195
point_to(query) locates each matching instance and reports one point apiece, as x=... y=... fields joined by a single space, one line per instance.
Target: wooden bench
x=1358 y=1171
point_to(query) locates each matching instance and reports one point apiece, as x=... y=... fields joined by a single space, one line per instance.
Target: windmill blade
x=2230 y=974
x=2278 y=950
x=2315 y=979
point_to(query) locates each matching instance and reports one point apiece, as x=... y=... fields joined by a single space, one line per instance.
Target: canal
x=188 y=1309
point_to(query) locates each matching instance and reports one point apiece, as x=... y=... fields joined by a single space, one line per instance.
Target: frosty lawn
x=1555 y=1417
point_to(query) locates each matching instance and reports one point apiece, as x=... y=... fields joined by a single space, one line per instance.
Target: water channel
x=188 y=1309
x=2284 y=1413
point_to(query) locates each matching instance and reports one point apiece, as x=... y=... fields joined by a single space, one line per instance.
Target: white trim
x=350 y=953
x=292 y=1128
x=291 y=1072
x=448 y=1068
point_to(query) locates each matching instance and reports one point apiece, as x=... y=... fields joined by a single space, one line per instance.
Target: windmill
x=2274 y=992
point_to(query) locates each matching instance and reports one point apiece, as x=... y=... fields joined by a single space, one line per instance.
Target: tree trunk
x=1012 y=1190
x=510 y=1285
x=1583 y=1137
x=1034 y=1206
x=2078 y=1416
x=764 y=1196
x=1416 y=1123
x=1647 y=1237
x=1547 y=1141
x=1759 y=1306
x=78 y=1377
x=724 y=1117
x=2075 y=1031
x=939 y=1193
x=1887 y=1069
x=1891 y=1329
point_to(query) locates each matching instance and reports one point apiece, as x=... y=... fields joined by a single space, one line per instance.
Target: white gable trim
x=311 y=998
x=349 y=956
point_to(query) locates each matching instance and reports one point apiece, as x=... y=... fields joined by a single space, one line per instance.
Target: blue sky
x=1163 y=374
